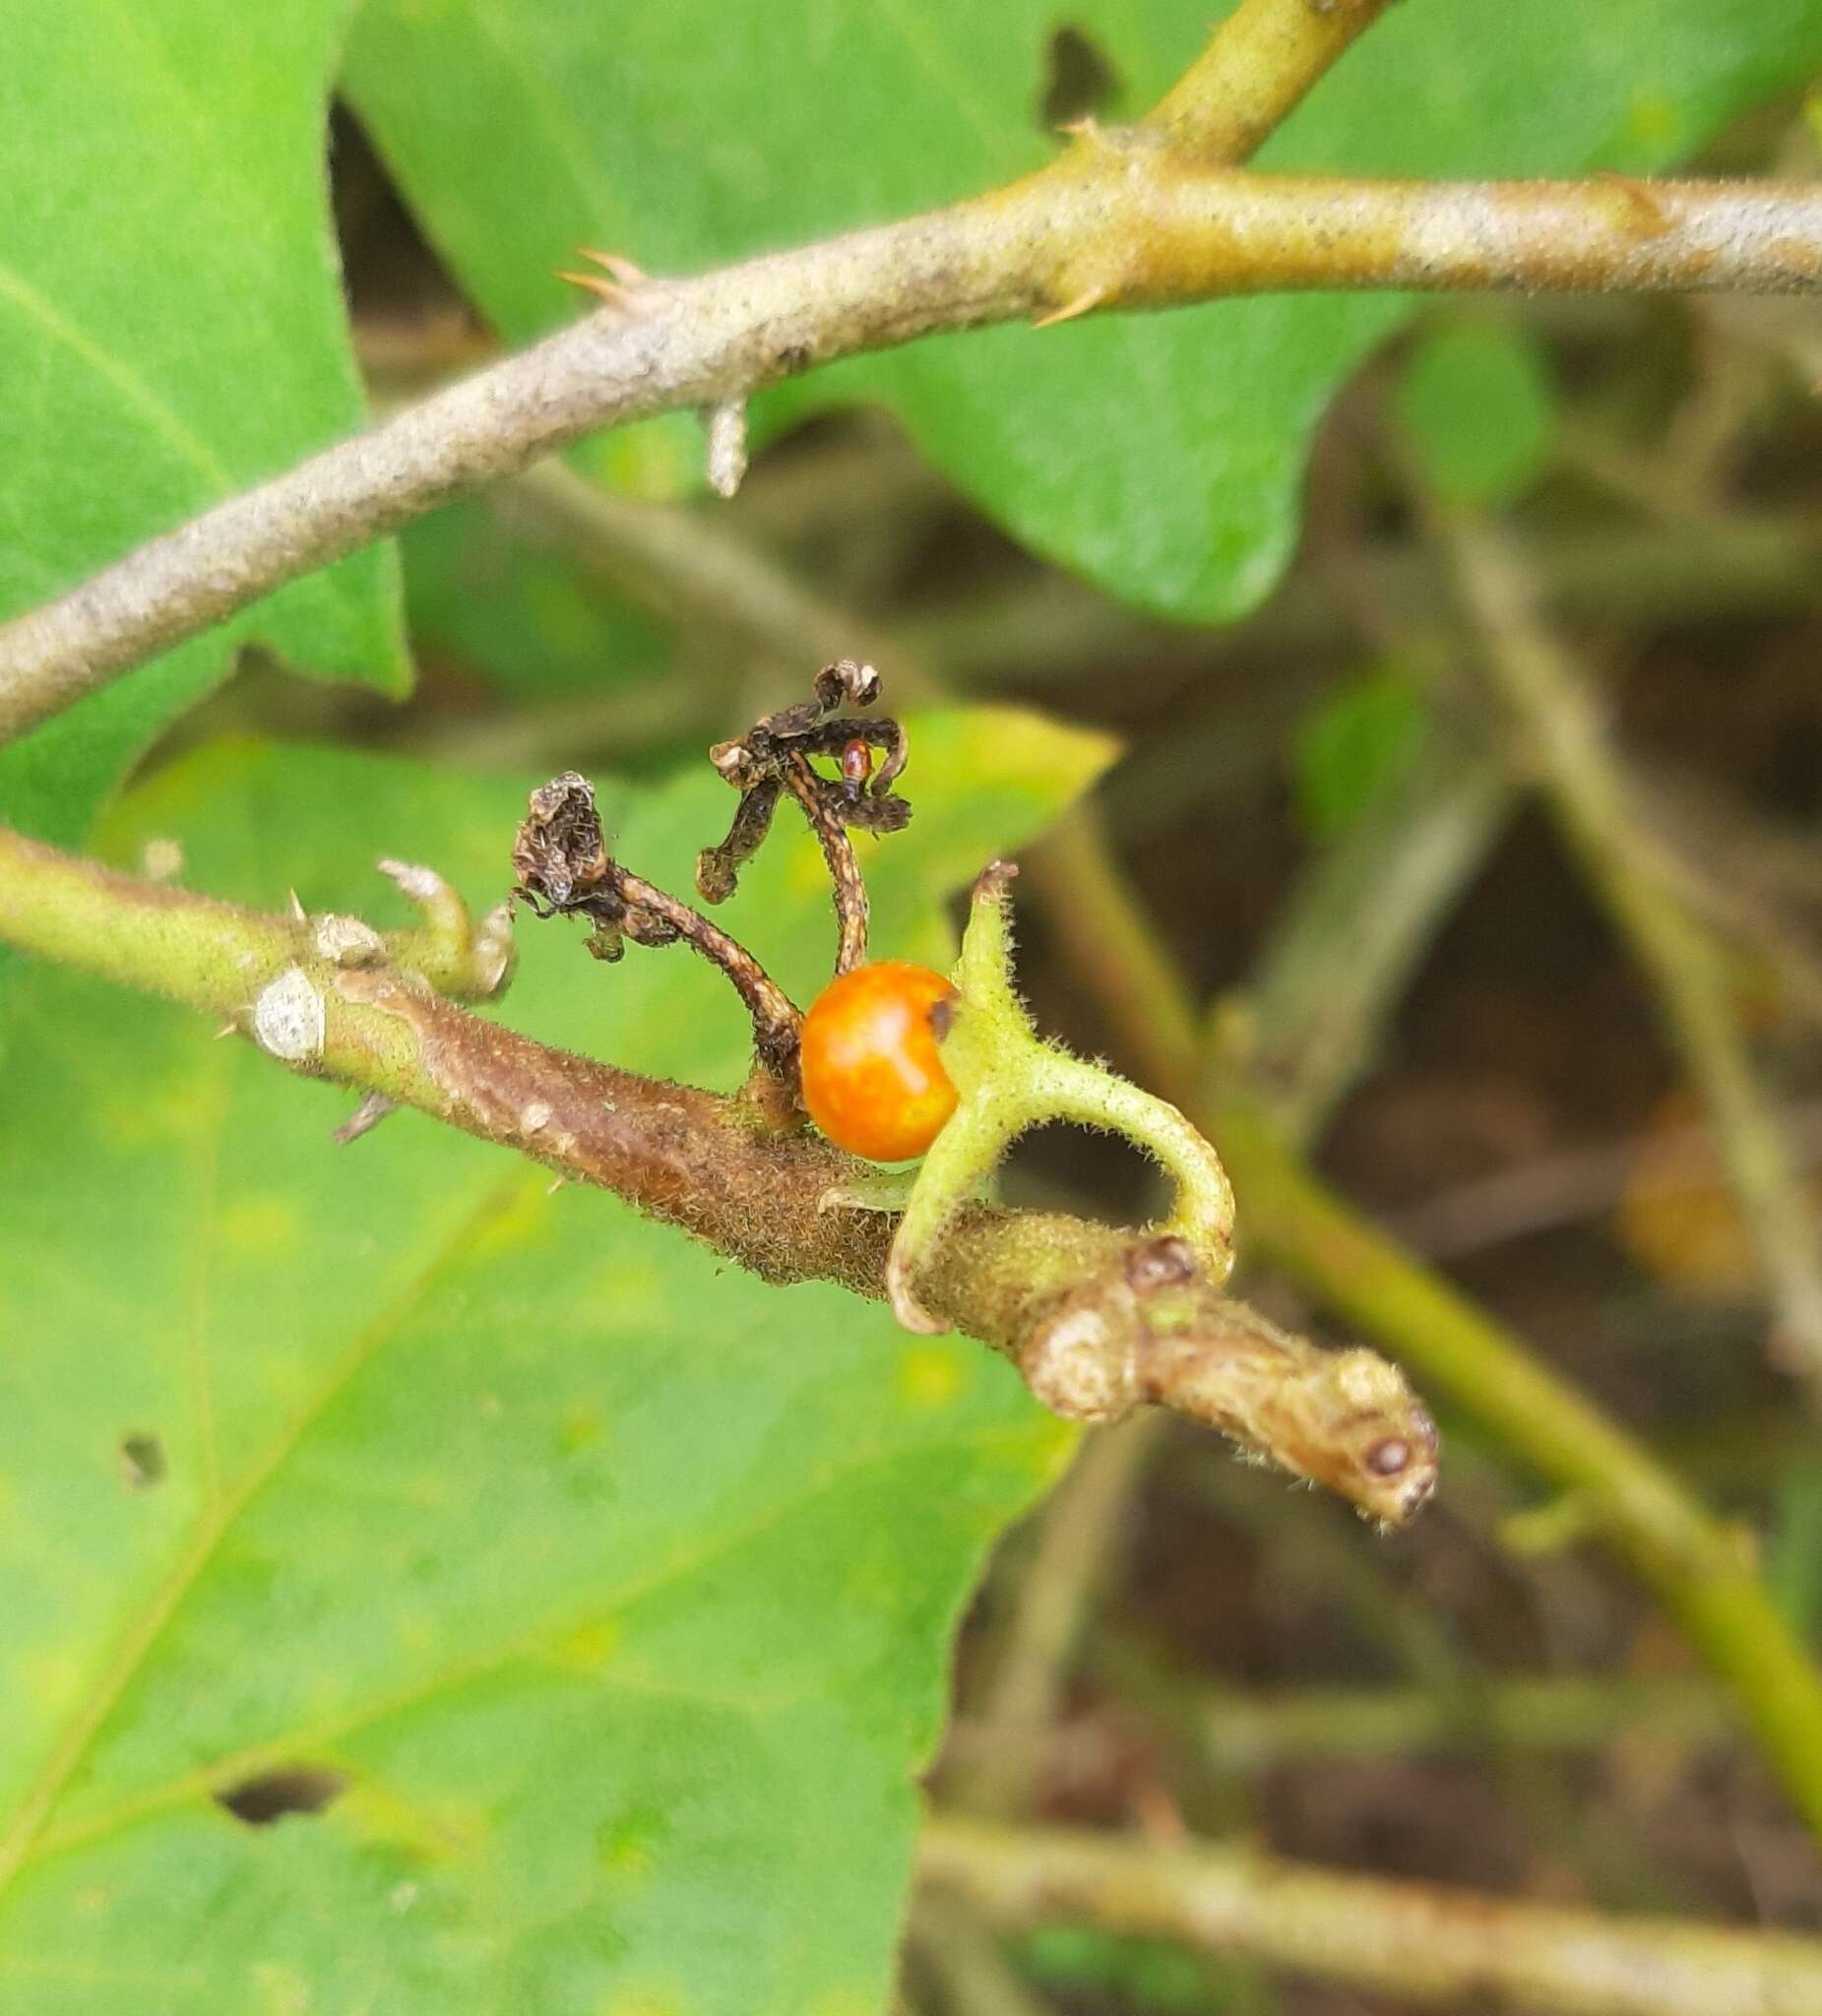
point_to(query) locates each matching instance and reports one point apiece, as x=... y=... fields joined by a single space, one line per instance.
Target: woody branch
x=1127 y=219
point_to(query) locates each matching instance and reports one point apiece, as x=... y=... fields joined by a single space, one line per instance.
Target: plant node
x=1148 y=1333
x=1007 y=1080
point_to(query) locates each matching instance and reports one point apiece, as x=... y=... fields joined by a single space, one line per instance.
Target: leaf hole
x=268 y=1795
x=1080 y=82
x=143 y=1461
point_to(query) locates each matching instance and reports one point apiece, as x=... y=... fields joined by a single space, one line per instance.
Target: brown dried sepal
x=563 y=868
x=772 y=758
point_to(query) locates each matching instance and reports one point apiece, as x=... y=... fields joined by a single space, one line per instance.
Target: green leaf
x=1479 y=409
x=171 y=330
x=1354 y=744
x=1161 y=454
x=612 y=1587
x=528 y=622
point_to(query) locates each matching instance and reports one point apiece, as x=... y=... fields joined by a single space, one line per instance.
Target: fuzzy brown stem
x=851 y=908
x=1022 y=1282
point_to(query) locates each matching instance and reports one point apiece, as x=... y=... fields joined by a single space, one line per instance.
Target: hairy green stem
x=329 y=998
x=1114 y=946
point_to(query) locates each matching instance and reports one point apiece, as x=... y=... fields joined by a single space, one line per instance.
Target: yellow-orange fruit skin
x=873 y=1077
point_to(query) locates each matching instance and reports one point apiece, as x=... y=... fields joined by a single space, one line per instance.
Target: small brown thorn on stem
x=364 y=1118
x=627 y=289
x=617 y=265
x=1083 y=303
x=300 y=915
x=227 y=1028
x=1644 y=210
x=617 y=297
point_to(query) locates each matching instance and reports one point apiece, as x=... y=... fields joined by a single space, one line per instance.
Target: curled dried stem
x=772 y=758
x=563 y=868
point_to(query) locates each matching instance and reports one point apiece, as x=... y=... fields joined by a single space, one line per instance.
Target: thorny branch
x=1123 y=219
x=1127 y=219
x=1099 y=1321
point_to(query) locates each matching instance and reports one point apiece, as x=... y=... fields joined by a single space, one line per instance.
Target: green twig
x=1356 y=927
x=1247 y=1732
x=1420 y=1942
x=1700 y=1571
x=1260 y=64
x=1595 y=803
x=1078 y=1536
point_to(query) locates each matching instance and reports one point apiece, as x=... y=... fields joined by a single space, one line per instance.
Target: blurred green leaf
x=1142 y=1974
x=526 y=621
x=1794 y=1551
x=1354 y=743
x=1479 y=410
x=1161 y=454
x=171 y=330
x=611 y=1588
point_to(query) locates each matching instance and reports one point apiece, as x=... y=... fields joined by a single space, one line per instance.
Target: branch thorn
x=364 y=1118
x=1083 y=303
x=726 y=425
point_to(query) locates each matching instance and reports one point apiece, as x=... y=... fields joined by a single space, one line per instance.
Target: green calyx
x=1008 y=1079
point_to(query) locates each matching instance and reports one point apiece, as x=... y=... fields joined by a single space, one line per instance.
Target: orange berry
x=873 y=1077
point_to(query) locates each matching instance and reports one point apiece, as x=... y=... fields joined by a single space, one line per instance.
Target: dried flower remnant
x=1097 y=1335
x=562 y=866
x=772 y=758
